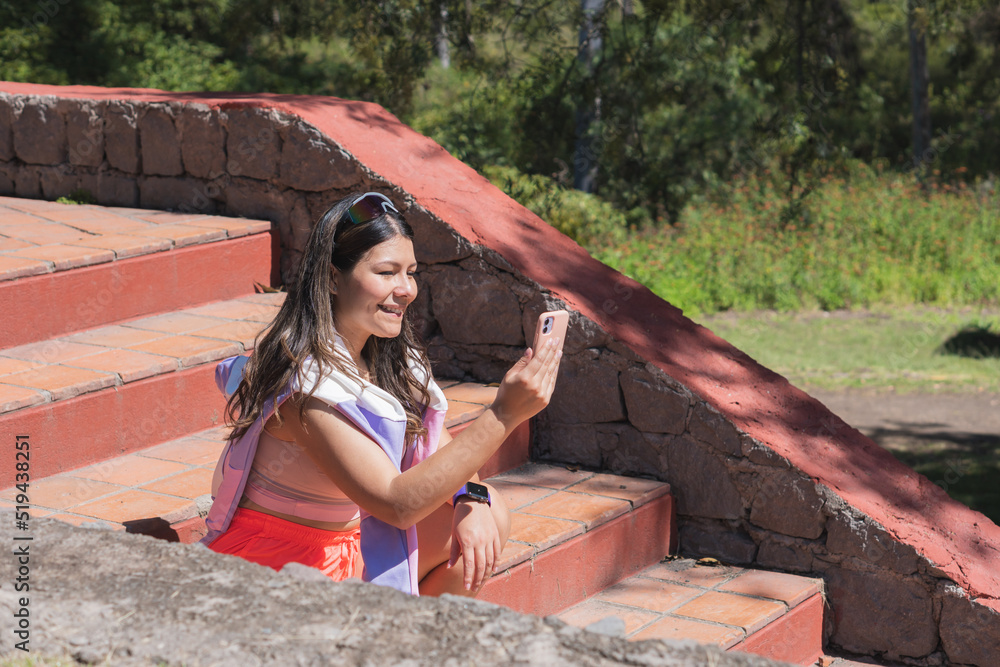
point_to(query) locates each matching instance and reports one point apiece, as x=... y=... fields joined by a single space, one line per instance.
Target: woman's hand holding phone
x=527 y=387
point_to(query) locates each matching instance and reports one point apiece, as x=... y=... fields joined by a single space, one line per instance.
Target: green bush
x=585 y=218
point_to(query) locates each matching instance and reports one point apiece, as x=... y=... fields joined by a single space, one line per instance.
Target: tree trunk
x=919 y=78
x=585 y=157
x=441 y=40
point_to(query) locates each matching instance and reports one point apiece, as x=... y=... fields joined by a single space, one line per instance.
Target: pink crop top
x=284 y=478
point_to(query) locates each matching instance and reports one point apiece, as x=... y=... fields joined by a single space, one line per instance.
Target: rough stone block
x=970 y=632
x=6 y=128
x=85 y=132
x=6 y=180
x=587 y=391
x=58 y=181
x=251 y=199
x=435 y=242
x=116 y=189
x=881 y=612
x=701 y=481
x=707 y=425
x=160 y=142
x=783 y=553
x=253 y=146
x=176 y=194
x=121 y=137
x=652 y=406
x=568 y=443
x=203 y=141
x=860 y=537
x=788 y=505
x=311 y=161
x=40 y=133
x=476 y=308
x=716 y=540
x=627 y=451
x=26 y=183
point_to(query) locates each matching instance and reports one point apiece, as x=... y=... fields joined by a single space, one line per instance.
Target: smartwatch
x=473 y=491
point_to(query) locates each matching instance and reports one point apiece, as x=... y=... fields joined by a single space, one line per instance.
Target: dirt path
x=957 y=415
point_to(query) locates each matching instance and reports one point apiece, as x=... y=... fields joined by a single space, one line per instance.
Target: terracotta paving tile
x=8 y=365
x=635 y=490
x=12 y=244
x=129 y=365
x=459 y=413
x=262 y=313
x=513 y=554
x=542 y=532
x=549 y=476
x=748 y=613
x=14 y=398
x=190 y=350
x=686 y=572
x=470 y=392
x=266 y=298
x=51 y=351
x=243 y=332
x=9 y=217
x=70 y=212
x=233 y=310
x=649 y=594
x=670 y=627
x=65 y=257
x=125 y=246
x=60 y=492
x=113 y=225
x=591 y=510
x=192 y=451
x=234 y=227
x=130 y=470
x=217 y=434
x=186 y=484
x=19 y=267
x=519 y=495
x=115 y=336
x=183 y=235
x=177 y=323
x=62 y=382
x=167 y=217
x=591 y=611
x=773 y=585
x=44 y=233
x=23 y=204
x=133 y=504
x=77 y=520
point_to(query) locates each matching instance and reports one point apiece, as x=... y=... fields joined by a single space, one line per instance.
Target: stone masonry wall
x=763 y=474
x=104 y=598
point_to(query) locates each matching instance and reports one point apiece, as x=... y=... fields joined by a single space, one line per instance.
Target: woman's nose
x=406 y=286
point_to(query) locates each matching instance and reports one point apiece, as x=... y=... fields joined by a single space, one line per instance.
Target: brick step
x=67 y=268
x=775 y=615
x=163 y=490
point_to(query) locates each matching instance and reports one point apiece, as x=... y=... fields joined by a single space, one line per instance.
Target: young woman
x=338 y=458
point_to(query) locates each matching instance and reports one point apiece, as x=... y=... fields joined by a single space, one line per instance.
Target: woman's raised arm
x=359 y=467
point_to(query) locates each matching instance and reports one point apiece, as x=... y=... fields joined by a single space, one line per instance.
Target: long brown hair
x=304 y=328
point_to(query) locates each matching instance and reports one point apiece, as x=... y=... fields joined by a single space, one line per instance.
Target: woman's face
x=372 y=297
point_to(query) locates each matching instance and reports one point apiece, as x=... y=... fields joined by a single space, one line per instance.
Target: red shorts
x=268 y=540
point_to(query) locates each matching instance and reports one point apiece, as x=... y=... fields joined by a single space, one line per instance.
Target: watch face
x=478 y=491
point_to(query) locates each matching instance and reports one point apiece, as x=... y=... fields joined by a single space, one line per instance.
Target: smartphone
x=552 y=324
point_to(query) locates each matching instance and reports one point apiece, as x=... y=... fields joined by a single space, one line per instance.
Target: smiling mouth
x=398 y=312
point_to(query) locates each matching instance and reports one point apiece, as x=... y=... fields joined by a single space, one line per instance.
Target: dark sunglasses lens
x=369 y=208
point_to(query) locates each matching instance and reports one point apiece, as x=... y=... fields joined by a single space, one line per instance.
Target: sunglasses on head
x=368 y=207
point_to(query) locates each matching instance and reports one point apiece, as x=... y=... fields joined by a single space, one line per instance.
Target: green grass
x=888 y=350
x=859 y=241
x=881 y=352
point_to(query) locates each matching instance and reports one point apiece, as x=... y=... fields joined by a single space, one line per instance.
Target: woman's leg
x=434 y=539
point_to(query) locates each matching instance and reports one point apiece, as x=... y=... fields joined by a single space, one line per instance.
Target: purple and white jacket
x=390 y=554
